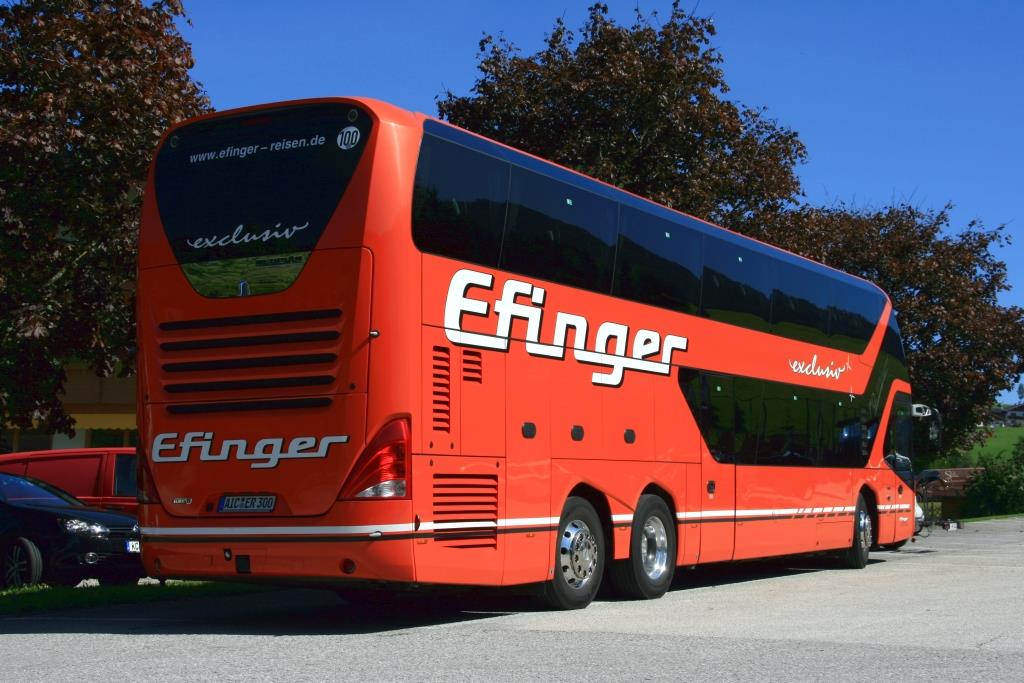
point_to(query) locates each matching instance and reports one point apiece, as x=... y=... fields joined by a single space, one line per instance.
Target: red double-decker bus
x=376 y=348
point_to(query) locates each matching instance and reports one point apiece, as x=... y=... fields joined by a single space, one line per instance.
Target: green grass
x=42 y=598
x=998 y=446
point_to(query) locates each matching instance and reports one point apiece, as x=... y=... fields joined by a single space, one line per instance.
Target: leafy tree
x=642 y=107
x=1020 y=392
x=86 y=89
x=962 y=346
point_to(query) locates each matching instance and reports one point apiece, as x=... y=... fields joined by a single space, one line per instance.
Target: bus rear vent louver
x=465 y=510
x=239 y=358
x=442 y=389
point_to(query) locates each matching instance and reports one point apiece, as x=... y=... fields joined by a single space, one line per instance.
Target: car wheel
x=648 y=572
x=579 y=557
x=22 y=563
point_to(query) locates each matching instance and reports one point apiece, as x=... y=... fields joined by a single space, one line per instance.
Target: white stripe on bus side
x=513 y=523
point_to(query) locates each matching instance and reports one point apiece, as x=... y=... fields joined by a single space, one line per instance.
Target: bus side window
x=820 y=426
x=749 y=417
x=800 y=304
x=559 y=232
x=737 y=285
x=658 y=262
x=854 y=312
x=719 y=417
x=459 y=202
x=790 y=415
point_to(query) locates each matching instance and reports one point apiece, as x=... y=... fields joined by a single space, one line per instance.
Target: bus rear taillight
x=380 y=470
x=146 y=491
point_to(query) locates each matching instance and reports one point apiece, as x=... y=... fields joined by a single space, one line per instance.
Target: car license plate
x=132 y=546
x=247 y=504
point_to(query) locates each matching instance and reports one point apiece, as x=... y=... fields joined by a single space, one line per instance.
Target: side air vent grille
x=472 y=366
x=466 y=510
x=442 y=389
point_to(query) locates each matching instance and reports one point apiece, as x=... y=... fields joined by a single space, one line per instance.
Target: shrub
x=999 y=490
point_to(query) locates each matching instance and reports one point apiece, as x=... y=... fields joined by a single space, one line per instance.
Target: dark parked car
x=49 y=535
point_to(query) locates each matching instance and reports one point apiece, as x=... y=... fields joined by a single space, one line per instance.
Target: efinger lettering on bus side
x=610 y=341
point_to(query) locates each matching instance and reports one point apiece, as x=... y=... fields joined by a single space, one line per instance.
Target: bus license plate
x=247 y=504
x=132 y=546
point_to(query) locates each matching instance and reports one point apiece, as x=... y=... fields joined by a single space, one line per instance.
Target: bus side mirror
x=923 y=412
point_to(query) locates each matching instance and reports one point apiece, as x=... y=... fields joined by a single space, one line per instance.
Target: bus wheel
x=856 y=556
x=648 y=572
x=579 y=557
x=22 y=563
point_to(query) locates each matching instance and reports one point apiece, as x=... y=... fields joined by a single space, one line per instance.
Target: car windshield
x=14 y=489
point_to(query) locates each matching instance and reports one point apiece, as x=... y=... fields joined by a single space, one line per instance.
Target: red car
x=100 y=477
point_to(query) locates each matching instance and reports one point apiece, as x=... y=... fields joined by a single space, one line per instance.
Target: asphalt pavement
x=948 y=607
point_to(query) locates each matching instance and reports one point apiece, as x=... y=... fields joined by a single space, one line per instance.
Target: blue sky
x=910 y=101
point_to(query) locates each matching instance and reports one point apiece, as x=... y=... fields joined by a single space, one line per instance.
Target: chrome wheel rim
x=864 y=531
x=654 y=548
x=15 y=567
x=577 y=554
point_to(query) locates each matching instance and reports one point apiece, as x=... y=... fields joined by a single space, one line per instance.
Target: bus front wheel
x=856 y=556
x=579 y=557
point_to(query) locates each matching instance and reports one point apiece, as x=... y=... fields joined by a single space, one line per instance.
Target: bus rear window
x=244 y=199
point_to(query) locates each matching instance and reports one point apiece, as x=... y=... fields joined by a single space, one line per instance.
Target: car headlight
x=78 y=526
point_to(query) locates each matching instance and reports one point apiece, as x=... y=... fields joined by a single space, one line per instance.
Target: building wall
x=103 y=409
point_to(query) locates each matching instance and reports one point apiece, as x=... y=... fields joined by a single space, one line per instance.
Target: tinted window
x=234 y=191
x=719 y=417
x=125 y=483
x=846 y=448
x=790 y=416
x=899 y=439
x=559 y=232
x=748 y=421
x=800 y=304
x=749 y=417
x=658 y=262
x=855 y=311
x=737 y=285
x=821 y=426
x=459 y=202
x=892 y=348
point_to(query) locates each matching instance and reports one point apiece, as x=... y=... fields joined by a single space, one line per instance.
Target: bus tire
x=648 y=572
x=579 y=557
x=22 y=563
x=856 y=556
